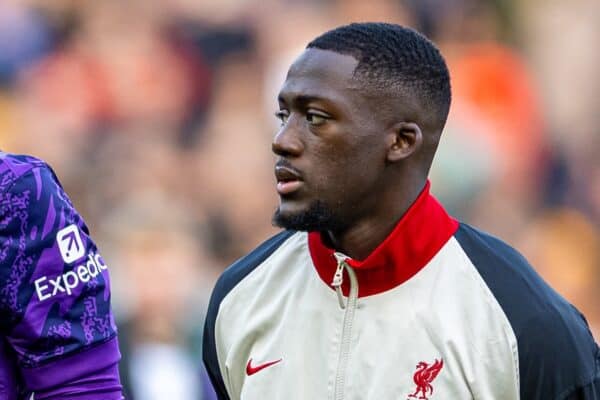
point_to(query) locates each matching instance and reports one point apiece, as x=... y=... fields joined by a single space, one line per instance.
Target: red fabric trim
x=417 y=237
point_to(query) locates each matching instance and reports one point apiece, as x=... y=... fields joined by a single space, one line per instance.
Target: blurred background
x=157 y=115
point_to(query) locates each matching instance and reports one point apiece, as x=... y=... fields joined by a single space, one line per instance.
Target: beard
x=318 y=217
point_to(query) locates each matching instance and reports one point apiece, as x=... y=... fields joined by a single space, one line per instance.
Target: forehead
x=320 y=73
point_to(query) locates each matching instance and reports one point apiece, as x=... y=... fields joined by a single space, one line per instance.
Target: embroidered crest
x=423 y=377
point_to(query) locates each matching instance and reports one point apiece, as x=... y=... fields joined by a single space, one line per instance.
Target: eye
x=282 y=115
x=316 y=119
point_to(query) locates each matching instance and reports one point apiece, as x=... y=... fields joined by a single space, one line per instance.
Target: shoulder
x=556 y=349
x=17 y=165
x=235 y=273
x=31 y=197
x=19 y=173
x=225 y=284
x=54 y=285
x=524 y=296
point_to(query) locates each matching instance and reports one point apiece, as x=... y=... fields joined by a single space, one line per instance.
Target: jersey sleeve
x=209 y=348
x=591 y=391
x=227 y=281
x=55 y=312
x=560 y=359
x=558 y=356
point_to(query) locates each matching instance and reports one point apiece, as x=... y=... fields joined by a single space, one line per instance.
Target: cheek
x=332 y=161
x=345 y=178
x=344 y=162
x=361 y=162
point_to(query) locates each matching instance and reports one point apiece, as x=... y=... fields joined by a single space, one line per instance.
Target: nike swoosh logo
x=250 y=370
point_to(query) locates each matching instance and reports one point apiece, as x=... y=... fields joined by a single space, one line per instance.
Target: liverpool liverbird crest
x=423 y=377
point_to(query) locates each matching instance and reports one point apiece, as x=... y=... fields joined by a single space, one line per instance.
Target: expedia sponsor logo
x=70 y=244
x=46 y=287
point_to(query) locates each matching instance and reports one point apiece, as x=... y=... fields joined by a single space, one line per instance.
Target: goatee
x=318 y=217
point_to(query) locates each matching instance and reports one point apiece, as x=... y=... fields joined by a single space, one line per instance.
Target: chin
x=290 y=208
x=316 y=217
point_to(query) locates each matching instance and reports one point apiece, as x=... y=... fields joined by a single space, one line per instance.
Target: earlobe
x=404 y=139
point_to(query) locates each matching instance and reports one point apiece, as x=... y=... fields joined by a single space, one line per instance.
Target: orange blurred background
x=157 y=117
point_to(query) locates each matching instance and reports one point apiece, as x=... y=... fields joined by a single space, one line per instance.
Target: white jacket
x=438 y=311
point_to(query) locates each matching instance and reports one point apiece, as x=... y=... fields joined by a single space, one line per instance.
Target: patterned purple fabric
x=57 y=332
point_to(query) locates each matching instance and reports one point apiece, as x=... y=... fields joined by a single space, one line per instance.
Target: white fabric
x=284 y=310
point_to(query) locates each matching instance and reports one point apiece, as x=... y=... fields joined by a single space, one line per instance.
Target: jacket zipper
x=349 y=308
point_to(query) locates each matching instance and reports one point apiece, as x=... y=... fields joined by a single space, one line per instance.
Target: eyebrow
x=304 y=99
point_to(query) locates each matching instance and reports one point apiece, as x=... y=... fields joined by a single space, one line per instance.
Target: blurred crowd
x=158 y=117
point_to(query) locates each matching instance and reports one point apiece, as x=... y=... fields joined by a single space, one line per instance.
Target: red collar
x=417 y=237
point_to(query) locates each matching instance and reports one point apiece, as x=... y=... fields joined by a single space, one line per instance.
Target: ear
x=403 y=139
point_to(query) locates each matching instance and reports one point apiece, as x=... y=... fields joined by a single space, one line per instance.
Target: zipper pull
x=338 y=277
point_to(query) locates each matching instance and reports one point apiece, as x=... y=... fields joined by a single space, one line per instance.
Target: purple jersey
x=58 y=339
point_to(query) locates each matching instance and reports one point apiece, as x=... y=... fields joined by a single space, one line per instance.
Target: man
x=58 y=339
x=374 y=291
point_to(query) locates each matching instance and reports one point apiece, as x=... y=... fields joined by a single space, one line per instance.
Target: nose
x=286 y=142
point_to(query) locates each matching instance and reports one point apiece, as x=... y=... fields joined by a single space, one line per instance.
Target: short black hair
x=394 y=57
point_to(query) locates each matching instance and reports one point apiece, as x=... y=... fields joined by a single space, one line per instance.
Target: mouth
x=289 y=179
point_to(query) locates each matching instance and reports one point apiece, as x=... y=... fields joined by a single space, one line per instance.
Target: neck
x=365 y=234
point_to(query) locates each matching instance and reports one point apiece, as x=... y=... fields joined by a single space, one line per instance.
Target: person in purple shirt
x=58 y=338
